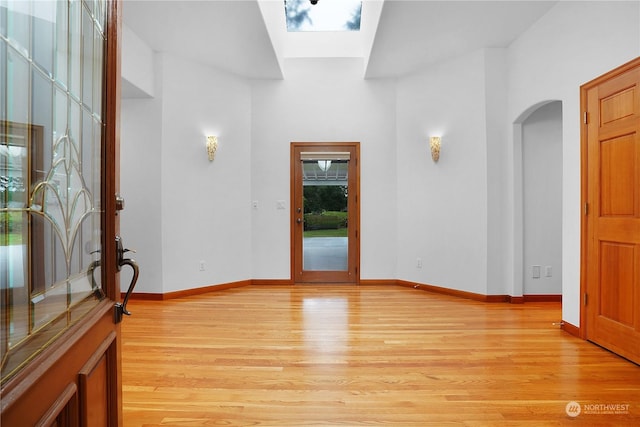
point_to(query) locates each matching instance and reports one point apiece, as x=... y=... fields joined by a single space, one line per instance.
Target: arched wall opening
x=538 y=200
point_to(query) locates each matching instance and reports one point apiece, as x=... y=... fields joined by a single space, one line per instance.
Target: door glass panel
x=61 y=40
x=87 y=58
x=17 y=86
x=43 y=30
x=50 y=174
x=325 y=188
x=74 y=46
x=18 y=14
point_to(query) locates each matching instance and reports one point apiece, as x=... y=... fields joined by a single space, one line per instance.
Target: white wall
x=138 y=66
x=205 y=205
x=140 y=156
x=572 y=44
x=323 y=100
x=542 y=199
x=496 y=96
x=442 y=207
x=181 y=208
x=140 y=185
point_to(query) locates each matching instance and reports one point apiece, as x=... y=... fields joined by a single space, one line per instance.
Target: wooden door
x=611 y=230
x=325 y=213
x=60 y=340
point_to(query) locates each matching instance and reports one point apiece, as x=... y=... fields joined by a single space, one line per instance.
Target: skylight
x=323 y=15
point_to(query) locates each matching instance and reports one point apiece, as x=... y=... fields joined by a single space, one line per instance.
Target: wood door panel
x=613 y=88
x=618 y=172
x=626 y=126
x=618 y=338
x=617 y=296
x=64 y=411
x=94 y=385
x=617 y=106
x=611 y=230
x=618 y=229
x=95 y=395
x=30 y=396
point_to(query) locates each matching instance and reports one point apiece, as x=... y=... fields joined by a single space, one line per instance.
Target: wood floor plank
x=354 y=356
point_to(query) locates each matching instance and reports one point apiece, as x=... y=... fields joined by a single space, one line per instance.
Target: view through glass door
x=325 y=212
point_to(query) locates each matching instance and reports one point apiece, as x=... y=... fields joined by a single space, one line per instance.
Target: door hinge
x=586 y=208
x=585 y=299
x=585 y=118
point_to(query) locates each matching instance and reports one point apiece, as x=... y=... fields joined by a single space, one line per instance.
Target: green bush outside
x=329 y=220
x=10 y=228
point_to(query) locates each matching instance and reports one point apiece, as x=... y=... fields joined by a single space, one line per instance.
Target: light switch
x=535 y=271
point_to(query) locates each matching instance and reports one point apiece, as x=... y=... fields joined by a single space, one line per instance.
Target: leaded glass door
x=59 y=71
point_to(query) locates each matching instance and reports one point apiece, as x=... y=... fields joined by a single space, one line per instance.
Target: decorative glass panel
x=18 y=24
x=62 y=39
x=42 y=29
x=98 y=72
x=50 y=171
x=87 y=59
x=3 y=17
x=75 y=39
x=17 y=87
x=100 y=14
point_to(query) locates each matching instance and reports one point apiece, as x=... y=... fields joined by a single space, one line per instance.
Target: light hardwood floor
x=369 y=355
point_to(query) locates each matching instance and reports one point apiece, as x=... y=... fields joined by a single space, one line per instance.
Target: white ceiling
x=230 y=35
x=248 y=38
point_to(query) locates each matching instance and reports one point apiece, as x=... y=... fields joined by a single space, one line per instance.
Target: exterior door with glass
x=59 y=107
x=325 y=212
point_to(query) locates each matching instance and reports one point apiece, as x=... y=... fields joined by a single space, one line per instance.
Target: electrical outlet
x=202 y=266
x=547 y=271
x=254 y=204
x=419 y=263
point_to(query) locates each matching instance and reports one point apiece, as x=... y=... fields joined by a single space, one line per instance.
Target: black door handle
x=120 y=308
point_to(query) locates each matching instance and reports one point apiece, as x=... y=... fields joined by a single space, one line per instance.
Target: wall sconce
x=212 y=146
x=434 y=143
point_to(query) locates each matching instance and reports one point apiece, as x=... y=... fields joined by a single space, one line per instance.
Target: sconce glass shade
x=434 y=144
x=212 y=146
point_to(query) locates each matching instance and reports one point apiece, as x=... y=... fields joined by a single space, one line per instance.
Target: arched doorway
x=538 y=202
